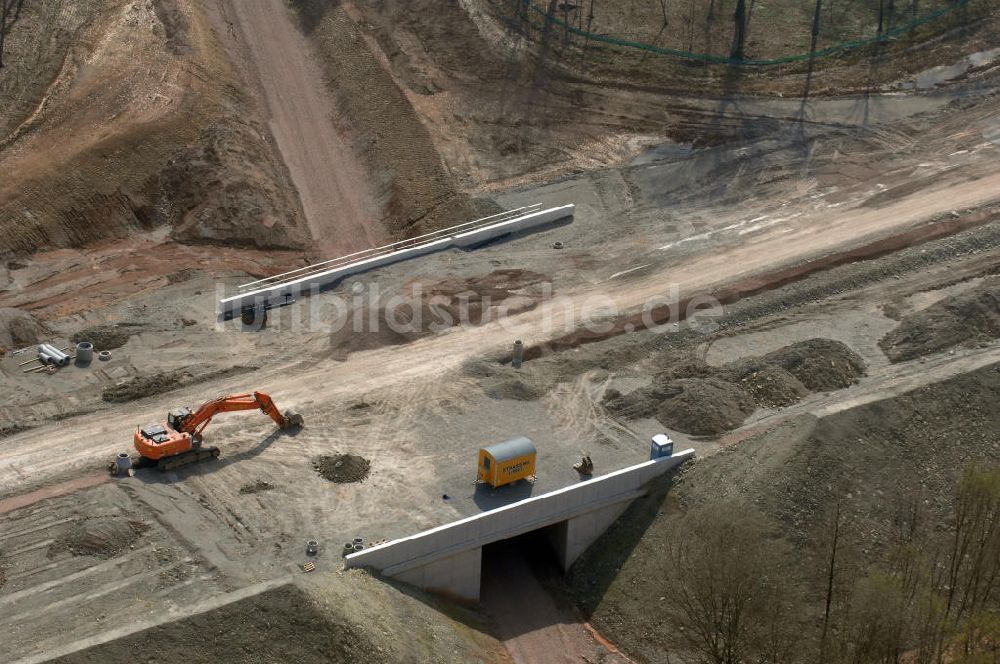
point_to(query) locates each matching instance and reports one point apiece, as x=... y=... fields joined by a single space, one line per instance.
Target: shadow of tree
x=593 y=573
x=7 y=21
x=312 y=12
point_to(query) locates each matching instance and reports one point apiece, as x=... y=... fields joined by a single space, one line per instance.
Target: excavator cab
x=176 y=417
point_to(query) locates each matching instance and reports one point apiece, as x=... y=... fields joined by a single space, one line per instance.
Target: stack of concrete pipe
x=49 y=354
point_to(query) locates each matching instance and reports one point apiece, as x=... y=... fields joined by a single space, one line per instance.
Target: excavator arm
x=177 y=442
x=200 y=419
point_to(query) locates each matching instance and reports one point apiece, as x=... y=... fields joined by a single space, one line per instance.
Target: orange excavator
x=178 y=441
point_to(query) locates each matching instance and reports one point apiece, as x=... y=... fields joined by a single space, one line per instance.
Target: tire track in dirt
x=333 y=186
x=29 y=456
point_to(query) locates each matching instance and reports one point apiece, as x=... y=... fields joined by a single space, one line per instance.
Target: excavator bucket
x=292 y=419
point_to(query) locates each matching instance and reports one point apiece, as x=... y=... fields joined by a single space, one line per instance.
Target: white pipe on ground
x=49 y=354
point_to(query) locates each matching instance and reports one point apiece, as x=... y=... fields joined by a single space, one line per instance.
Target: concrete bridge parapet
x=448 y=559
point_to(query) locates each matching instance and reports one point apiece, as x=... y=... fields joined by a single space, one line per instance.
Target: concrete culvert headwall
x=448 y=559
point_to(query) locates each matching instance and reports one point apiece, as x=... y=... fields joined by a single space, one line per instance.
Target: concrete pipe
x=518 y=355
x=359 y=540
x=312 y=548
x=104 y=355
x=348 y=548
x=48 y=358
x=62 y=358
x=359 y=547
x=84 y=352
x=123 y=465
x=52 y=355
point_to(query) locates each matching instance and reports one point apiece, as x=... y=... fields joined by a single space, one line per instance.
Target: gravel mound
x=821 y=365
x=104 y=337
x=140 y=386
x=694 y=397
x=104 y=537
x=703 y=406
x=769 y=385
x=974 y=315
x=674 y=365
x=342 y=468
x=634 y=405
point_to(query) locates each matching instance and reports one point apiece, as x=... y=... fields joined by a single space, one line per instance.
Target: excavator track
x=187 y=458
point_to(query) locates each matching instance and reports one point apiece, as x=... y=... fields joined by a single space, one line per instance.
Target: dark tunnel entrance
x=516 y=576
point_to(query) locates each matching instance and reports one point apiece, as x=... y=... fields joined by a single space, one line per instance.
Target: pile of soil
x=478 y=367
x=104 y=537
x=820 y=364
x=342 y=468
x=146 y=386
x=703 y=406
x=277 y=626
x=11 y=429
x=476 y=300
x=364 y=331
x=140 y=386
x=104 y=337
x=515 y=389
x=19 y=329
x=970 y=316
x=769 y=385
x=674 y=364
x=694 y=397
x=633 y=406
x=256 y=487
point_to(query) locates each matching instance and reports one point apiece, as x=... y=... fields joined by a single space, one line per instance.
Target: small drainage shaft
x=84 y=352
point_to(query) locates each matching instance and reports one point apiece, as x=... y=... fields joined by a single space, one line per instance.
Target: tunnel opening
x=517 y=574
x=536 y=551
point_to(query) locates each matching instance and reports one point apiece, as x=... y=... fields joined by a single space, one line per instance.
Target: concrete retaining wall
x=447 y=558
x=289 y=290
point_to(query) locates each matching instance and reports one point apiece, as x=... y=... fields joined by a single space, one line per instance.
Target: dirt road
x=532 y=627
x=332 y=185
x=32 y=457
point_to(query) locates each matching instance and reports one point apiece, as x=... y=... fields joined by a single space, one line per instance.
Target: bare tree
x=876 y=628
x=974 y=557
x=727 y=589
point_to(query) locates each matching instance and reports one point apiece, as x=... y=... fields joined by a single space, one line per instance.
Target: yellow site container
x=506 y=462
